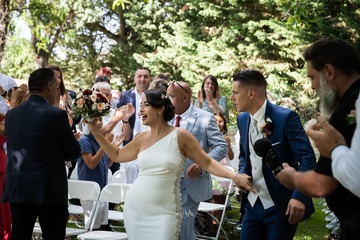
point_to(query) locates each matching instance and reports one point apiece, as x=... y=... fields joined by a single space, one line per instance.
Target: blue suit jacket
x=202 y=126
x=125 y=98
x=294 y=149
x=39 y=141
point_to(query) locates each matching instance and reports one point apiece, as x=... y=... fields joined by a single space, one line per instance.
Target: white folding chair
x=109 y=176
x=83 y=190
x=114 y=193
x=119 y=176
x=210 y=207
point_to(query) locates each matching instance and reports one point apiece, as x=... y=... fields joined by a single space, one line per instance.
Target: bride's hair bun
x=158 y=98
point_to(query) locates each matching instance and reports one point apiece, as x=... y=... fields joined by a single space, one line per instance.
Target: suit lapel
x=268 y=114
x=247 y=134
x=190 y=122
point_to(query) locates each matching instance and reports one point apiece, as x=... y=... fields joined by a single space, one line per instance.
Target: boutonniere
x=266 y=127
x=351 y=117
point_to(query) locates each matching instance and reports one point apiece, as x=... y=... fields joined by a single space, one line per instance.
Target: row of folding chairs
x=208 y=208
x=90 y=191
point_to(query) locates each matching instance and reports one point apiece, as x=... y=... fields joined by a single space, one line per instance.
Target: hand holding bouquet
x=90 y=104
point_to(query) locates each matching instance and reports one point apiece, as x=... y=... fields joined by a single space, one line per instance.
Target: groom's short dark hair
x=250 y=77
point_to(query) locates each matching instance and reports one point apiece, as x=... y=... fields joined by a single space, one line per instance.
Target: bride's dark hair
x=158 y=98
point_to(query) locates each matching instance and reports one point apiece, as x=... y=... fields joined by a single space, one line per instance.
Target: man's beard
x=329 y=100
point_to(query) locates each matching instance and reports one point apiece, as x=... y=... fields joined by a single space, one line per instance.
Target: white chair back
x=119 y=176
x=113 y=193
x=74 y=173
x=88 y=191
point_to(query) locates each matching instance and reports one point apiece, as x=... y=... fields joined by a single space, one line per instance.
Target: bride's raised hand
x=92 y=126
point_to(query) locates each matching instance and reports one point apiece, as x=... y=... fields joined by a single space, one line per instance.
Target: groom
x=272 y=212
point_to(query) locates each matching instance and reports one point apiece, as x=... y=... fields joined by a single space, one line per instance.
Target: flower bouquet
x=89 y=105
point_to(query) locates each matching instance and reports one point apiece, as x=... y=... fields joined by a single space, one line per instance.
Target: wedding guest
x=104 y=71
x=35 y=186
x=159 y=83
x=331 y=144
x=163 y=76
x=195 y=181
x=5 y=215
x=93 y=165
x=14 y=97
x=115 y=95
x=63 y=100
x=161 y=153
x=6 y=82
x=142 y=81
x=272 y=211
x=116 y=121
x=334 y=69
x=209 y=97
x=102 y=78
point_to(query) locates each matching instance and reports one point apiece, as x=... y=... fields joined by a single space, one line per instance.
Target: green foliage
x=187 y=39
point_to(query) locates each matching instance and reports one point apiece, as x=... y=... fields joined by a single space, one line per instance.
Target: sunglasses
x=172 y=82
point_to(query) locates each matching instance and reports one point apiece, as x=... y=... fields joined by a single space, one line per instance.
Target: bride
x=153 y=204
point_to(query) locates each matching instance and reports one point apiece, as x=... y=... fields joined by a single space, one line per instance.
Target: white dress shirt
x=346 y=161
x=137 y=124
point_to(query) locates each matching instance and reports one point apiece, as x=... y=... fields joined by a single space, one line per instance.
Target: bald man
x=195 y=183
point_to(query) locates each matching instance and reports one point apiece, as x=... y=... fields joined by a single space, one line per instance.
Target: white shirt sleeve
x=346 y=161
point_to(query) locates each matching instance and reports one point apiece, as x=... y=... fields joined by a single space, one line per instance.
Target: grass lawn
x=312 y=228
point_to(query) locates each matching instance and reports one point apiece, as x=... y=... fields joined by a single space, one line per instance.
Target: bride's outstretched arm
x=116 y=154
x=192 y=149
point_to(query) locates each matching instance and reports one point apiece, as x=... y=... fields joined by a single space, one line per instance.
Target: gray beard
x=329 y=101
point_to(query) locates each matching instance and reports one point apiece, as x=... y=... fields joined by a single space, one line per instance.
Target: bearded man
x=334 y=69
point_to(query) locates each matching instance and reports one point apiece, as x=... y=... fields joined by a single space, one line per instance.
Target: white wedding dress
x=153 y=205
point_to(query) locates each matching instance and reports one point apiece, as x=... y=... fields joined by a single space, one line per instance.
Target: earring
x=159 y=113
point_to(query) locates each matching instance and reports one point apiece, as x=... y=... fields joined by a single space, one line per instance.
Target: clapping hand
x=124 y=112
x=62 y=102
x=109 y=137
x=130 y=110
x=119 y=139
x=19 y=95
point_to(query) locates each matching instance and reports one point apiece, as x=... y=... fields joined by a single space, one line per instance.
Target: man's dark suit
x=293 y=147
x=125 y=98
x=39 y=141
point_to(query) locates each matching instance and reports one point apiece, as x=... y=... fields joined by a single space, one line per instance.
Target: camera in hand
x=263 y=148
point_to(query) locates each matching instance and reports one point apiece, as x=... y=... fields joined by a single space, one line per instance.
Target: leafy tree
x=186 y=39
x=4 y=22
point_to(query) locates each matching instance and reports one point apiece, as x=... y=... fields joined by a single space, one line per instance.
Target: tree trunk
x=4 y=22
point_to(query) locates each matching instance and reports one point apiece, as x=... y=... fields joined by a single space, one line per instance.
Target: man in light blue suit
x=195 y=183
x=272 y=211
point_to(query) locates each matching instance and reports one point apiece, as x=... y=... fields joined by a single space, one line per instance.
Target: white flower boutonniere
x=266 y=127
